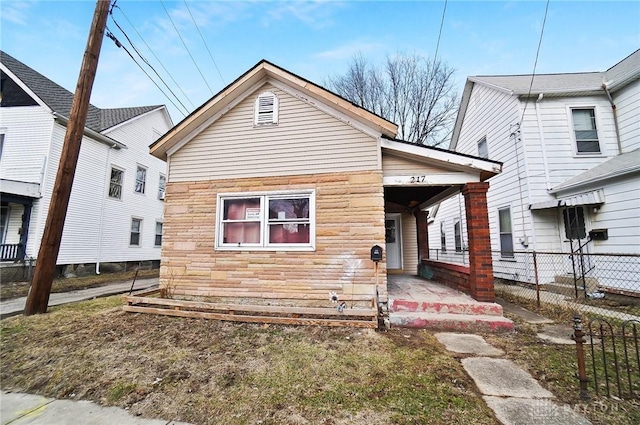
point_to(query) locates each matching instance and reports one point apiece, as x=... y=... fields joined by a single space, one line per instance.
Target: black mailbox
x=599 y=234
x=376 y=253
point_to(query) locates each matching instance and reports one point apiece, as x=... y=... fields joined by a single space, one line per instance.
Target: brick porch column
x=480 y=264
x=423 y=235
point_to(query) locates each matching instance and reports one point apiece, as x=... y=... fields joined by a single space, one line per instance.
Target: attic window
x=266 y=109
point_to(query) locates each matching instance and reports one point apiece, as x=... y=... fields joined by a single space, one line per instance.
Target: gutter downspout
x=104 y=196
x=615 y=116
x=542 y=143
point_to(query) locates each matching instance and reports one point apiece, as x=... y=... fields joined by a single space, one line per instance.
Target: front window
x=443 y=237
x=141 y=179
x=162 y=184
x=457 y=235
x=506 y=235
x=158 y=240
x=136 y=231
x=586 y=133
x=115 y=183
x=266 y=221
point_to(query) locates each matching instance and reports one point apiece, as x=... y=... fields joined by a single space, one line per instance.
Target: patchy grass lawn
x=211 y=372
x=9 y=290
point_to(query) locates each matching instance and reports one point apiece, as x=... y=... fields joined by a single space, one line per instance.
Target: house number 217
x=417 y=179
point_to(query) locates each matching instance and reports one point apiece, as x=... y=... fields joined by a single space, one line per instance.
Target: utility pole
x=38 y=298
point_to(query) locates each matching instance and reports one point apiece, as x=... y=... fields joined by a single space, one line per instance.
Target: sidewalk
x=512 y=393
x=16 y=306
x=23 y=409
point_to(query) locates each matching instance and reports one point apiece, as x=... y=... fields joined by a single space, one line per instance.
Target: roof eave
x=92 y=133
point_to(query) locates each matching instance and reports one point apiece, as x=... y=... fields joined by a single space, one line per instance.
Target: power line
x=205 y=43
x=156 y=57
x=185 y=46
x=440 y=32
x=117 y=42
x=147 y=62
x=535 y=63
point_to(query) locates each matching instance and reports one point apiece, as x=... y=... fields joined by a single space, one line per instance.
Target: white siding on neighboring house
x=627 y=101
x=27 y=133
x=14 y=224
x=322 y=143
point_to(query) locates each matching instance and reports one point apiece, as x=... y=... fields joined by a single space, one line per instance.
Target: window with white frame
x=1 y=144
x=141 y=179
x=266 y=109
x=115 y=183
x=483 y=148
x=136 y=232
x=457 y=235
x=158 y=239
x=162 y=184
x=585 y=130
x=506 y=235
x=443 y=238
x=266 y=221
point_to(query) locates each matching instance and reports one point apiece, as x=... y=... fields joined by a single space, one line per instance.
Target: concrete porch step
x=450 y=322
x=470 y=307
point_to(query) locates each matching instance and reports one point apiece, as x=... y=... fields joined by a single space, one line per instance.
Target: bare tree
x=415 y=93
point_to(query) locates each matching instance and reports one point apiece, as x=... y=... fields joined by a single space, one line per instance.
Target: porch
x=416 y=302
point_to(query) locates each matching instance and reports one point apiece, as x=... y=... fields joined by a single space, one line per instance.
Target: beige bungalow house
x=278 y=189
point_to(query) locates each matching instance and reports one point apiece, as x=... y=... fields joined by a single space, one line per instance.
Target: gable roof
x=620 y=165
x=568 y=84
x=262 y=72
x=59 y=99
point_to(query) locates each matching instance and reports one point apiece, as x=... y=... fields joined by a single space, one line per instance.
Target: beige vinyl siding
x=393 y=165
x=409 y=245
x=305 y=140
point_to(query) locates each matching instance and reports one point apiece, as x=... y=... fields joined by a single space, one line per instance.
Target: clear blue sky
x=312 y=39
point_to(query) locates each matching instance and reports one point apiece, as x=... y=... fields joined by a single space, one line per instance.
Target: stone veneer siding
x=349 y=221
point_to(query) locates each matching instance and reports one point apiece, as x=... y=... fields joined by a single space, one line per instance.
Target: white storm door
x=393 y=241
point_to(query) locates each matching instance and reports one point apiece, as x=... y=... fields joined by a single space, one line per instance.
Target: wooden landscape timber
x=361 y=317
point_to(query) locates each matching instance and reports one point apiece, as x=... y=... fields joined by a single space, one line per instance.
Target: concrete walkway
x=16 y=306
x=513 y=394
x=23 y=409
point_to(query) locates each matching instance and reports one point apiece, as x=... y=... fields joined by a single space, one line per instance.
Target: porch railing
x=11 y=252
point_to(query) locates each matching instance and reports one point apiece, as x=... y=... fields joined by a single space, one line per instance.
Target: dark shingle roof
x=60 y=99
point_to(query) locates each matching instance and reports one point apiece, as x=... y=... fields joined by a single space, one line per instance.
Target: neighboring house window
x=443 y=237
x=457 y=235
x=483 y=148
x=158 y=240
x=266 y=109
x=141 y=179
x=136 y=231
x=1 y=144
x=574 y=227
x=584 y=126
x=266 y=221
x=115 y=183
x=162 y=183
x=4 y=218
x=506 y=236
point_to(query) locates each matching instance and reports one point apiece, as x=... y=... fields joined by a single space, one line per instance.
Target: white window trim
x=458 y=222
x=162 y=194
x=256 y=109
x=572 y=131
x=263 y=246
x=122 y=185
x=139 y=233
x=486 y=147
x=500 y=232
x=146 y=179
x=155 y=234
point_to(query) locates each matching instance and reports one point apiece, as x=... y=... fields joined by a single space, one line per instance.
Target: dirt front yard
x=212 y=372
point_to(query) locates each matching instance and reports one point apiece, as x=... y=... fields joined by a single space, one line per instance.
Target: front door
x=393 y=241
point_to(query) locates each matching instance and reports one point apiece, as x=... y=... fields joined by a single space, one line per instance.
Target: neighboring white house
x=116 y=205
x=570 y=144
